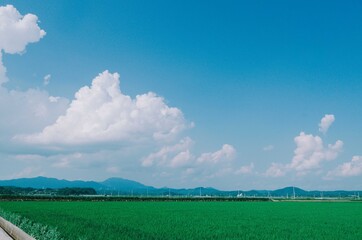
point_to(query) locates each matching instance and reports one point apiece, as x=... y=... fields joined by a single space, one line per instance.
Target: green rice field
x=196 y=220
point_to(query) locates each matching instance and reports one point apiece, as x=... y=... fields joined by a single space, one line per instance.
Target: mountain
x=44 y=182
x=123 y=184
x=289 y=191
x=120 y=186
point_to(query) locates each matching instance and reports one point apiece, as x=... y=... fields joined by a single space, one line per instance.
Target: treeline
x=103 y=198
x=47 y=191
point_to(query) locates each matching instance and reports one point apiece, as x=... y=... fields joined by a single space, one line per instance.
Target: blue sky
x=247 y=78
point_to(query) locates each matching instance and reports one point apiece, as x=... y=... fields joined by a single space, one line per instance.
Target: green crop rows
x=196 y=220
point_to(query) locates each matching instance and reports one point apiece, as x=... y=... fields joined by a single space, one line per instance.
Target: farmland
x=195 y=220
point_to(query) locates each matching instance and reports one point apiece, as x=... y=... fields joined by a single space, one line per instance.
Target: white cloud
x=16 y=31
x=275 y=170
x=28 y=157
x=62 y=163
x=54 y=99
x=326 y=122
x=65 y=161
x=3 y=77
x=29 y=111
x=179 y=153
x=27 y=172
x=47 y=79
x=348 y=169
x=179 y=156
x=178 y=160
x=113 y=170
x=310 y=152
x=247 y=169
x=227 y=152
x=216 y=164
x=101 y=113
x=268 y=148
x=181 y=159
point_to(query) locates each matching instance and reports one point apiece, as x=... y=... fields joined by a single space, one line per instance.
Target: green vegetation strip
x=128 y=198
x=196 y=220
x=36 y=230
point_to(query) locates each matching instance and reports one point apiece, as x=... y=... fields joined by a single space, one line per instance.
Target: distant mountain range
x=120 y=186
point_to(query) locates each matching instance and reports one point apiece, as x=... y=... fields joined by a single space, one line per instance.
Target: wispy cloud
x=46 y=79
x=276 y=170
x=268 y=148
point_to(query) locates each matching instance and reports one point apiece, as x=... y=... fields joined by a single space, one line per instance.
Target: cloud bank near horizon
x=347 y=169
x=180 y=157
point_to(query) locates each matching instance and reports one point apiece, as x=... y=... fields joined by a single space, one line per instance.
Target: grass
x=36 y=230
x=196 y=220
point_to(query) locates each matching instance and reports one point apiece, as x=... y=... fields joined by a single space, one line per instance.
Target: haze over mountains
x=120 y=186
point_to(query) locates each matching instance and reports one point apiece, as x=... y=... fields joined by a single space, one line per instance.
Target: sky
x=225 y=94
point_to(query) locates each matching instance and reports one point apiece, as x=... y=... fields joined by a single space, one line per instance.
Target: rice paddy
x=195 y=220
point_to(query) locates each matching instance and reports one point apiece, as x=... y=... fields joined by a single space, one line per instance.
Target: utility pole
x=293 y=192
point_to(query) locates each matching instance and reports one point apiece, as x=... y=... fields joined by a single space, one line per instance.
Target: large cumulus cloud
x=102 y=113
